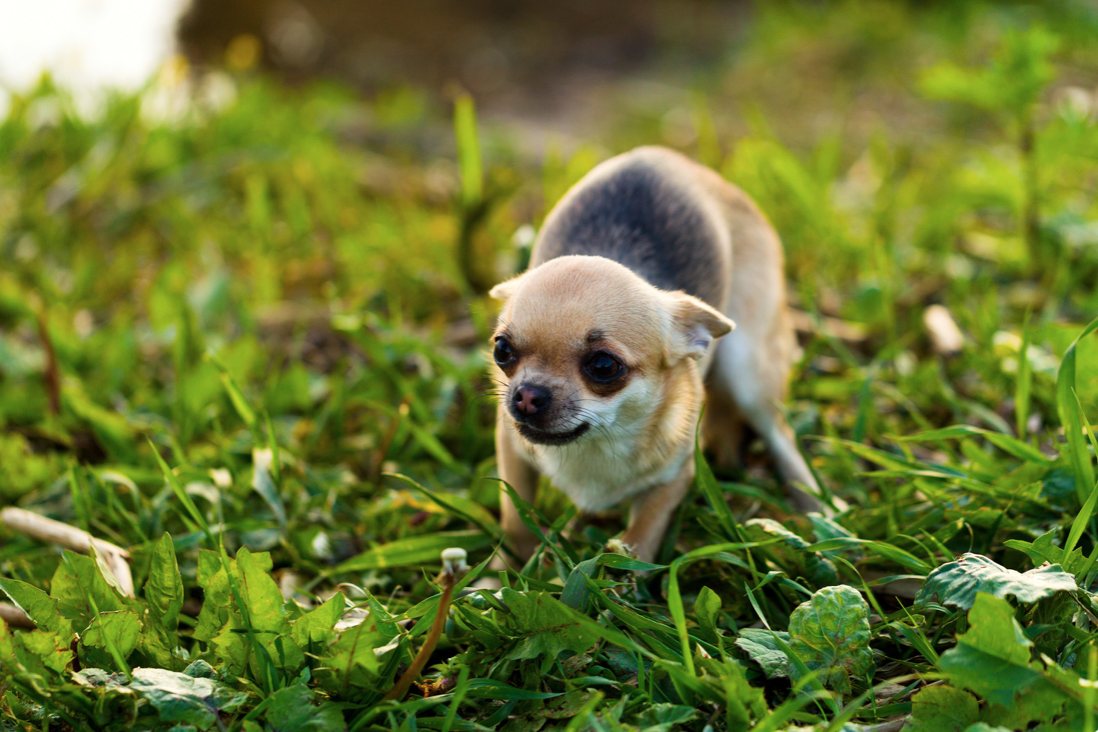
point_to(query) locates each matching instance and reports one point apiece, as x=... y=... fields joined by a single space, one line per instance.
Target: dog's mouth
x=541 y=437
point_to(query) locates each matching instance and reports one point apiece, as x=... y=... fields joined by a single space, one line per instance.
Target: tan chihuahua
x=654 y=283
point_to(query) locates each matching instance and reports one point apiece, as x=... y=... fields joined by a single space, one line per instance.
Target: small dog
x=608 y=343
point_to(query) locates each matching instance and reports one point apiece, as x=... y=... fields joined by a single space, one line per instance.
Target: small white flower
x=453 y=560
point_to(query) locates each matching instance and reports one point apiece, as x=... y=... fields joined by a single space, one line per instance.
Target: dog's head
x=585 y=344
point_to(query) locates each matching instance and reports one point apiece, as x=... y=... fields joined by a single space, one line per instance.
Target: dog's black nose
x=530 y=399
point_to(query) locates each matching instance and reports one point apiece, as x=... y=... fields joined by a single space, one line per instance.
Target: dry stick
x=453 y=561
x=15 y=616
x=54 y=532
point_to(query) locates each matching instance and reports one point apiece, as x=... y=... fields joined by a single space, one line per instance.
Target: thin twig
x=15 y=616
x=454 y=566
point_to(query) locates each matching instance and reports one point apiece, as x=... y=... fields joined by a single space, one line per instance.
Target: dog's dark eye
x=503 y=354
x=603 y=367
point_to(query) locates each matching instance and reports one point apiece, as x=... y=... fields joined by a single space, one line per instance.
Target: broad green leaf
x=120 y=627
x=830 y=634
x=39 y=607
x=665 y=717
x=1042 y=704
x=80 y=590
x=180 y=698
x=957 y=583
x=318 y=625
x=217 y=597
x=707 y=609
x=942 y=709
x=97 y=677
x=266 y=613
x=898 y=463
x=761 y=647
x=351 y=666
x=575 y=591
x=37 y=654
x=266 y=607
x=414 y=550
x=792 y=553
x=164 y=588
x=993 y=658
x=543 y=627
x=291 y=709
x=157 y=647
x=1042 y=550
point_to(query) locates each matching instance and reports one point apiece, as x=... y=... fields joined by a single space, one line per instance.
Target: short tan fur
x=654 y=285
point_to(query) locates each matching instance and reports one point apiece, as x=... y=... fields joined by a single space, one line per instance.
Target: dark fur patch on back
x=640 y=219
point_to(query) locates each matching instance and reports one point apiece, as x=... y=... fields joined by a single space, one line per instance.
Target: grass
x=249 y=349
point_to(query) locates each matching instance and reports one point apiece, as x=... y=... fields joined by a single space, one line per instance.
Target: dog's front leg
x=516 y=471
x=652 y=512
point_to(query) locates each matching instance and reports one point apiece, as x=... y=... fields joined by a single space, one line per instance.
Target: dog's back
x=646 y=210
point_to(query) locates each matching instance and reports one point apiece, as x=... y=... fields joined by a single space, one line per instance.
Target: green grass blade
x=674 y=596
x=1082 y=519
x=181 y=494
x=707 y=484
x=1079 y=525
x=236 y=396
x=1071 y=418
x=1010 y=445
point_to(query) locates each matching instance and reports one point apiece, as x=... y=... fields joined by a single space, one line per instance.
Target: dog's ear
x=696 y=325
x=504 y=290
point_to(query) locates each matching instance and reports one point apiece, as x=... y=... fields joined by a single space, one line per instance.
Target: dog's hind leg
x=752 y=363
x=749 y=372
